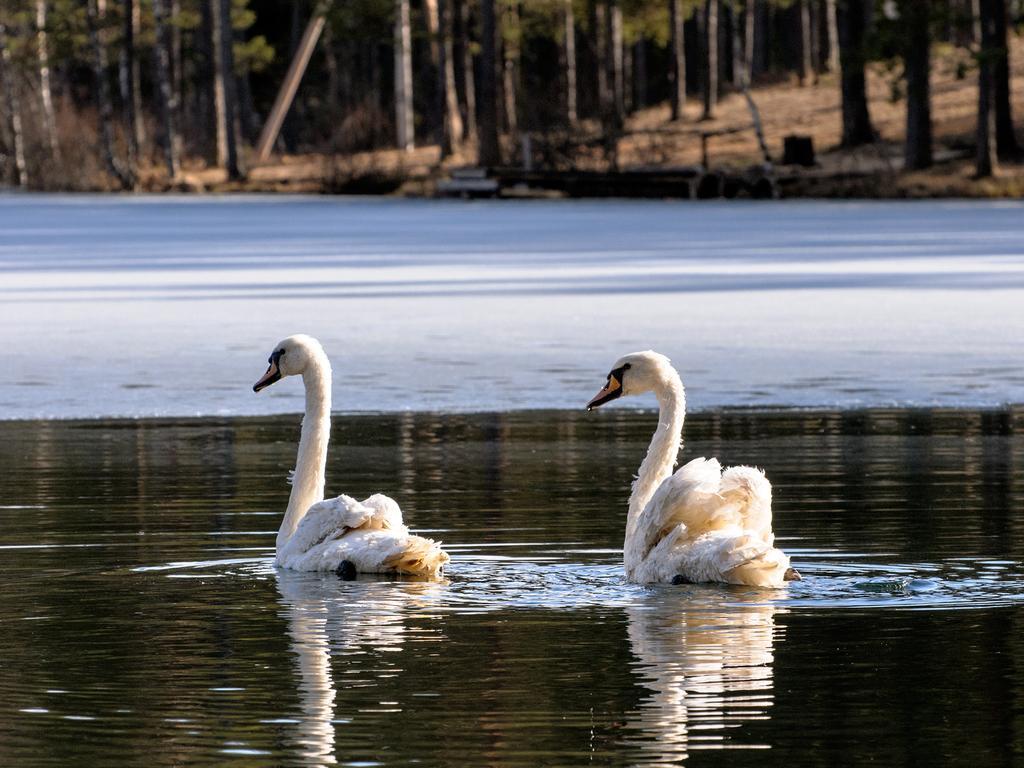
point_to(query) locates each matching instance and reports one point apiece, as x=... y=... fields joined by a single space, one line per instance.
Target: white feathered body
x=696 y=522
x=370 y=534
x=317 y=534
x=708 y=525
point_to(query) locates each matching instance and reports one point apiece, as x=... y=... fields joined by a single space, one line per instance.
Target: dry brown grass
x=814 y=110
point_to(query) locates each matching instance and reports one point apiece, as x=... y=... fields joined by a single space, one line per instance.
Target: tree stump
x=798 y=150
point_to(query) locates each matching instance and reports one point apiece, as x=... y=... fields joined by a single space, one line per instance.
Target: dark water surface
x=142 y=622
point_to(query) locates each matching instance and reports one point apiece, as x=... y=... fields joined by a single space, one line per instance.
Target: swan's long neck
x=311 y=463
x=661 y=455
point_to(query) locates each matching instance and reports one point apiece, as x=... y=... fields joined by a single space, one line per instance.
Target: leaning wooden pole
x=290 y=86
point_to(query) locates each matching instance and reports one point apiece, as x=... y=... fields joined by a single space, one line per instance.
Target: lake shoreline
x=1013 y=411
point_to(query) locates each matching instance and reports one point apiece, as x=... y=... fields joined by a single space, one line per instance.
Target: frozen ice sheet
x=170 y=305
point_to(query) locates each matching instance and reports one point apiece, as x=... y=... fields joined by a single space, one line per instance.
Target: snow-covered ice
x=169 y=306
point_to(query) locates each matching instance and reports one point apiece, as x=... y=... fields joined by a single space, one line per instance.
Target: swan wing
x=374 y=550
x=387 y=515
x=325 y=520
x=731 y=555
x=689 y=497
x=749 y=490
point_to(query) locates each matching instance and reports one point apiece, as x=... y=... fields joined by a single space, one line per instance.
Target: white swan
x=700 y=523
x=341 y=534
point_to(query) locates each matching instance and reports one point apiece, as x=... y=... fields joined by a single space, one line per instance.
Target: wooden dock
x=672 y=183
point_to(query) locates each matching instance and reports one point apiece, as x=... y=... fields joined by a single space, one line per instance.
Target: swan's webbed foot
x=347 y=571
x=680 y=579
x=792 y=574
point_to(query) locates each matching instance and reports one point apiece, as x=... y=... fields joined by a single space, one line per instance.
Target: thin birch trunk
x=403 y=77
x=710 y=38
x=510 y=70
x=12 y=104
x=217 y=74
x=468 y=78
x=45 y=89
x=224 y=82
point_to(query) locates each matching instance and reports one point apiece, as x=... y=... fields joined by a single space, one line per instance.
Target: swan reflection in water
x=325 y=619
x=707 y=662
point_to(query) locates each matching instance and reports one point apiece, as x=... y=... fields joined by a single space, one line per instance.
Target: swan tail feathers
x=754 y=562
x=420 y=557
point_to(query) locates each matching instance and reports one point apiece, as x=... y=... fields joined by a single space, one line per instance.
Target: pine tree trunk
x=917 y=65
x=832 y=62
x=12 y=106
x=226 y=89
x=45 y=89
x=128 y=79
x=489 y=148
x=736 y=27
x=468 y=77
x=710 y=39
x=125 y=176
x=510 y=69
x=177 y=64
x=453 y=118
x=168 y=104
x=217 y=85
x=439 y=100
x=985 y=152
x=640 y=73
x=806 y=69
x=1007 y=147
x=617 y=73
x=403 y=77
x=447 y=116
x=569 y=56
x=677 y=60
x=750 y=39
x=852 y=20
x=599 y=27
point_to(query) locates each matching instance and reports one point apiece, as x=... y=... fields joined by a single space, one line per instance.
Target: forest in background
x=138 y=94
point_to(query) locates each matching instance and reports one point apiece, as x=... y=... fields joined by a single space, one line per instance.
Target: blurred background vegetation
x=153 y=94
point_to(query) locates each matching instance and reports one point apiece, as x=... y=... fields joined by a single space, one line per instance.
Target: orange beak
x=610 y=391
x=273 y=374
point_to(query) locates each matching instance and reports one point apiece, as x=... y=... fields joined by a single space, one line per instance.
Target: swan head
x=633 y=374
x=291 y=357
